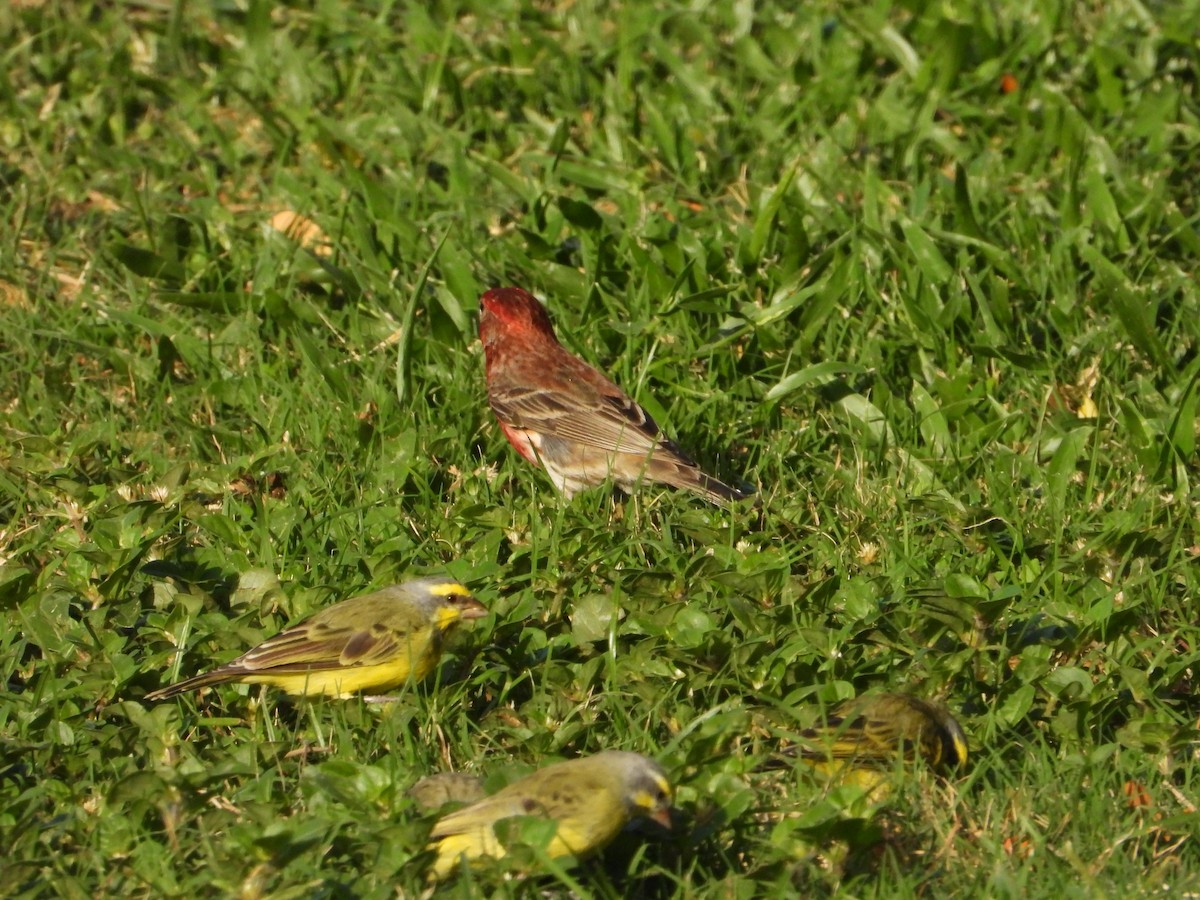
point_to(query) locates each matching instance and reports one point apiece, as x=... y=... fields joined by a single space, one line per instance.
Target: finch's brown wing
x=609 y=422
x=572 y=402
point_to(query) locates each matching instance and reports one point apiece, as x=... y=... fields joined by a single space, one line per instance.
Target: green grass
x=950 y=331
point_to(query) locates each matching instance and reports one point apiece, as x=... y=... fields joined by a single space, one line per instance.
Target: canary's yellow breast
x=872 y=781
x=573 y=837
x=592 y=821
x=338 y=682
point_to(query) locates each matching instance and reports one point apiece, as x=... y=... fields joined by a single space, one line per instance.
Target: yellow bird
x=375 y=642
x=864 y=737
x=589 y=799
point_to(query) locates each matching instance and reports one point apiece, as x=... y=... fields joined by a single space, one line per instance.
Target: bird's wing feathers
x=306 y=646
x=375 y=645
x=316 y=645
x=483 y=814
x=610 y=422
x=555 y=792
x=877 y=730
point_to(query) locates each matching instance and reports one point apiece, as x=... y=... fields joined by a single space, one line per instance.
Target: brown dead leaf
x=272 y=484
x=1021 y=848
x=276 y=486
x=13 y=295
x=102 y=202
x=302 y=230
x=1136 y=795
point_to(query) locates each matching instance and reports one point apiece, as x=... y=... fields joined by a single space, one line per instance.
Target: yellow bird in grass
x=375 y=642
x=861 y=741
x=589 y=799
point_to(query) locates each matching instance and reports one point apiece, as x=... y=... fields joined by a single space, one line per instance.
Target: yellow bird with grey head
x=864 y=737
x=589 y=800
x=374 y=642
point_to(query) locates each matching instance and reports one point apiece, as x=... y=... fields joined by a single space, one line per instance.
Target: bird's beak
x=470 y=608
x=662 y=817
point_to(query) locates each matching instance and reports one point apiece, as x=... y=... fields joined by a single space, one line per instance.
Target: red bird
x=563 y=415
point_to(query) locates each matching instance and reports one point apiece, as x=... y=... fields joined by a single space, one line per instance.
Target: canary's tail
x=207 y=679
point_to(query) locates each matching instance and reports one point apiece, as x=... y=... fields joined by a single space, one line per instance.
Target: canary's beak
x=470 y=608
x=662 y=816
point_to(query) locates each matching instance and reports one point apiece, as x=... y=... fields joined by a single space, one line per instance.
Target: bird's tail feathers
x=691 y=478
x=206 y=679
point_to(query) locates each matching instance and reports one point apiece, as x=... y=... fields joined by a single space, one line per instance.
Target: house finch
x=563 y=415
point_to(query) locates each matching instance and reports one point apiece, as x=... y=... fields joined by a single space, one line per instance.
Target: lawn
x=924 y=274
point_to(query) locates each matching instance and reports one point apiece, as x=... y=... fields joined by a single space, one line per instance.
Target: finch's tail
x=679 y=471
x=720 y=492
x=713 y=489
